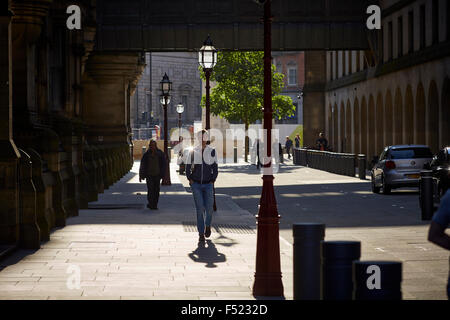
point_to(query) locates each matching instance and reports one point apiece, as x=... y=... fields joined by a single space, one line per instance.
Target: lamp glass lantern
x=180 y=108
x=162 y=101
x=207 y=56
x=166 y=85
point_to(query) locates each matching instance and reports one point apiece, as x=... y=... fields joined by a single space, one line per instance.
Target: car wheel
x=375 y=189
x=386 y=188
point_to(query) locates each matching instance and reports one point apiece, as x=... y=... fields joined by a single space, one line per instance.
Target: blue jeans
x=204 y=200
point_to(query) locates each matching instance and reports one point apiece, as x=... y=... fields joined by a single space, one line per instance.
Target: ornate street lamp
x=207 y=58
x=180 y=110
x=268 y=270
x=166 y=87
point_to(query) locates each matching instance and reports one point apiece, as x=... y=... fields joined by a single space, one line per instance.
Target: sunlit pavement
x=388 y=226
x=125 y=251
x=119 y=249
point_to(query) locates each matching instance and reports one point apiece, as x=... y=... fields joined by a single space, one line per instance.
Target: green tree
x=239 y=92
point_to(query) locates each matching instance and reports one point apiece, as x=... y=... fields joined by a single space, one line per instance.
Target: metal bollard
x=307 y=238
x=362 y=166
x=336 y=277
x=377 y=280
x=235 y=154
x=426 y=194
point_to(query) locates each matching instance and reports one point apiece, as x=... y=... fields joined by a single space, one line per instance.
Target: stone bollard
x=426 y=194
x=307 y=238
x=362 y=166
x=337 y=259
x=235 y=156
x=377 y=280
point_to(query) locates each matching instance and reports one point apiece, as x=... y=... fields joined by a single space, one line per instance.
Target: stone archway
x=335 y=128
x=364 y=135
x=388 y=119
x=408 y=136
x=348 y=128
x=379 y=118
x=371 y=128
x=420 y=120
x=445 y=118
x=341 y=146
x=432 y=130
x=356 y=127
x=398 y=117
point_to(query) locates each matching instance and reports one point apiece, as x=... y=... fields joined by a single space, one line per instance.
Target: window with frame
x=422 y=27
x=435 y=21
x=400 y=36
x=410 y=31
x=390 y=40
x=292 y=76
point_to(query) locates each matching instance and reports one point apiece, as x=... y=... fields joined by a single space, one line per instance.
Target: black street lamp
x=207 y=58
x=166 y=87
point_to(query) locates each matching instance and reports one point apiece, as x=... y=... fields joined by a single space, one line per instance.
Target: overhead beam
x=176 y=25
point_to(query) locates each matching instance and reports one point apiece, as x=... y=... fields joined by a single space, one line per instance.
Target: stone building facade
x=292 y=65
x=182 y=69
x=64 y=118
x=397 y=93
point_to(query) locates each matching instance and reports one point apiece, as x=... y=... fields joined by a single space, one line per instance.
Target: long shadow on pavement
x=207 y=253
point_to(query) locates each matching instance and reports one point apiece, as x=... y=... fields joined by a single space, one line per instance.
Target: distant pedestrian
x=322 y=142
x=258 y=161
x=288 y=146
x=152 y=169
x=297 y=141
x=202 y=171
x=436 y=233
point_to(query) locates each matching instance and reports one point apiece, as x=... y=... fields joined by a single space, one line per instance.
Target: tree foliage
x=239 y=92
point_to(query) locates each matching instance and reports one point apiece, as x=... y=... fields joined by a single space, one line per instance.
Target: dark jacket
x=144 y=168
x=288 y=144
x=203 y=173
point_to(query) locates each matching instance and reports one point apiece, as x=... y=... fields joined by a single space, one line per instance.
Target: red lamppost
x=166 y=87
x=268 y=270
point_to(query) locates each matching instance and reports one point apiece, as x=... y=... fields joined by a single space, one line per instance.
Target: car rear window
x=411 y=153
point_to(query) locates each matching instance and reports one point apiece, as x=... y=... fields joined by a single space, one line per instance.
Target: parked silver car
x=399 y=166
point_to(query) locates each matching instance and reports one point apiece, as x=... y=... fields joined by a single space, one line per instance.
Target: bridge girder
x=182 y=25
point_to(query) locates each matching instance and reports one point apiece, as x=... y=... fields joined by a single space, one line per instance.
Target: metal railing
x=339 y=163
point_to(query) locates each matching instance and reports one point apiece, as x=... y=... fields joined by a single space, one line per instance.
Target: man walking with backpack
x=202 y=171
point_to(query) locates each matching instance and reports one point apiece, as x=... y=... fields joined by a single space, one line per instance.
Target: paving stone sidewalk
x=122 y=250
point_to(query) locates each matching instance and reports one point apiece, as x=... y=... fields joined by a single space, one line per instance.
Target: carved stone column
x=106 y=94
x=29 y=229
x=9 y=155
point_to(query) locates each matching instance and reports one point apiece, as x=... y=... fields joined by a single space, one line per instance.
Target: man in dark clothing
x=288 y=146
x=153 y=169
x=202 y=171
x=258 y=161
x=297 y=141
x=322 y=143
x=437 y=234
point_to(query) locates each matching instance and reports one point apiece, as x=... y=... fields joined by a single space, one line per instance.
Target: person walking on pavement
x=258 y=162
x=322 y=143
x=436 y=233
x=202 y=171
x=297 y=141
x=152 y=169
x=288 y=146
